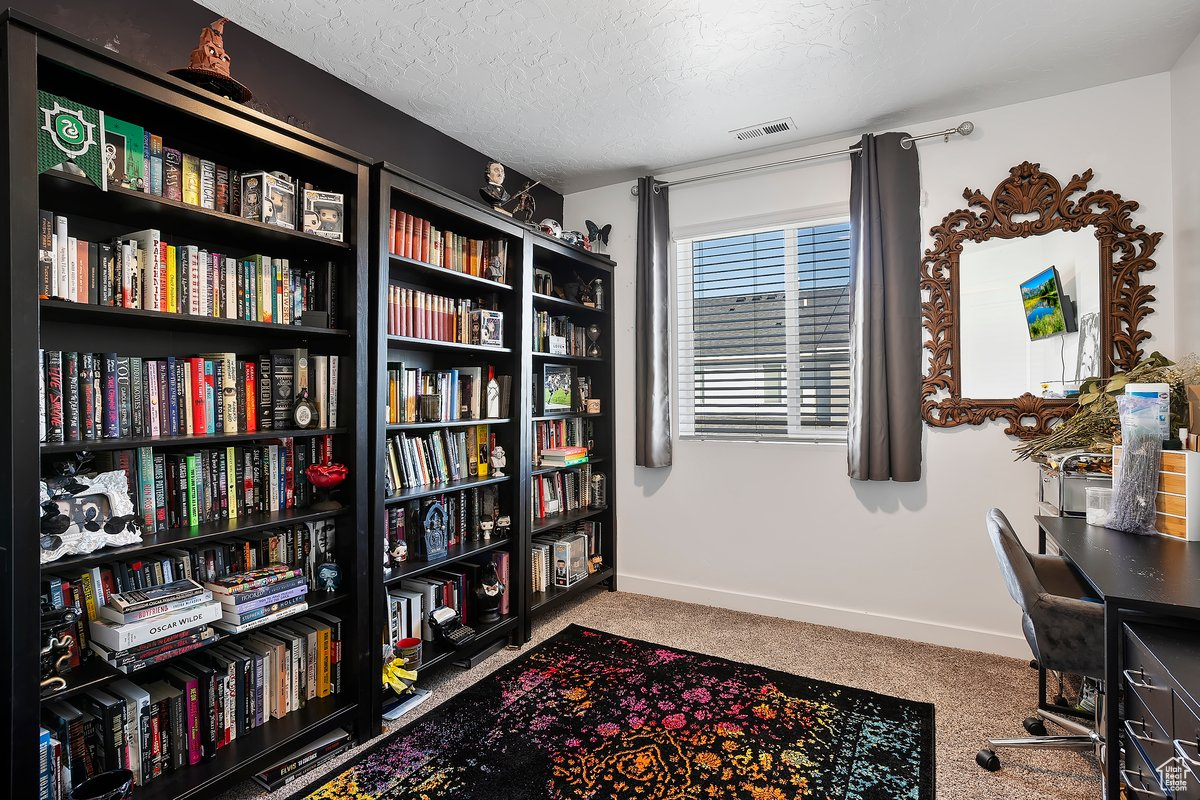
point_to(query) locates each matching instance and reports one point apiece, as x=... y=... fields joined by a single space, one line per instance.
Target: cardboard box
x=487 y=328
x=270 y=198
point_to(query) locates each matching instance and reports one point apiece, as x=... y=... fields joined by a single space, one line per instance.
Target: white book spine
x=54 y=292
x=231 y=289
x=62 y=261
x=72 y=268
x=333 y=391
x=117 y=636
x=41 y=395
x=320 y=392
x=193 y=255
x=152 y=374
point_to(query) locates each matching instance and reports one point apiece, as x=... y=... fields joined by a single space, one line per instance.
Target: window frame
x=684 y=344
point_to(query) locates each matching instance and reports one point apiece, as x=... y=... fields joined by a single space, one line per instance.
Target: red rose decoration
x=326 y=476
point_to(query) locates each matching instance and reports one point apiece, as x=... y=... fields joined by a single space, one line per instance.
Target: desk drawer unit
x=1162 y=719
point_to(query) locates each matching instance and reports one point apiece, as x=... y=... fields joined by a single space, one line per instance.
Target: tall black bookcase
x=394 y=189
x=38 y=57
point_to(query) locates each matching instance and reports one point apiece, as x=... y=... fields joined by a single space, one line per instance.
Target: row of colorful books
x=557 y=334
x=139 y=270
x=438 y=457
x=195 y=707
x=90 y=396
x=461 y=393
x=96 y=593
x=562 y=491
x=437 y=318
x=471 y=516
x=415 y=238
x=566 y=432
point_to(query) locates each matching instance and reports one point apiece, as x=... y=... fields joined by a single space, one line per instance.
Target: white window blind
x=764 y=333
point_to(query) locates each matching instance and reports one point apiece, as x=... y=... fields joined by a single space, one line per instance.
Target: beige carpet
x=975 y=695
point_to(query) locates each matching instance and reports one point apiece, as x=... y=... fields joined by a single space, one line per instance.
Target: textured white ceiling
x=584 y=93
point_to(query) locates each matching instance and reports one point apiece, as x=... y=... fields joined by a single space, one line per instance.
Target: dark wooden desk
x=1154 y=575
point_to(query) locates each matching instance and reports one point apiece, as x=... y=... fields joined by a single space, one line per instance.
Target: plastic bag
x=1135 y=483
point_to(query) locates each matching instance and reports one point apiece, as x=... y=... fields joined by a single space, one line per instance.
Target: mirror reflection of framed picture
x=558 y=387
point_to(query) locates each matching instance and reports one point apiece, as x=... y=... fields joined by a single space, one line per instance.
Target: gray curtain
x=652 y=336
x=884 y=433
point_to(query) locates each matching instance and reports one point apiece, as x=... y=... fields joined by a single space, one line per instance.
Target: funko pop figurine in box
x=269 y=197
x=323 y=214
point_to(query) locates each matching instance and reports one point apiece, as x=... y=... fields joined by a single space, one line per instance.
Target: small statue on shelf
x=494 y=192
x=499 y=461
x=208 y=66
x=488 y=594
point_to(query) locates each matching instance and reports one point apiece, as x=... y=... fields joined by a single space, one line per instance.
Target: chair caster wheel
x=1059 y=700
x=988 y=760
x=1033 y=663
x=1034 y=726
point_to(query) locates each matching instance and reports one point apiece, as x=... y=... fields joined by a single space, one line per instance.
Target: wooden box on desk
x=1178 y=498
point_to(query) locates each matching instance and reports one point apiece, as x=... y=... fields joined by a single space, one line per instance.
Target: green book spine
x=193 y=475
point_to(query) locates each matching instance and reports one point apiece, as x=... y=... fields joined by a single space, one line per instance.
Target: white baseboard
x=1004 y=644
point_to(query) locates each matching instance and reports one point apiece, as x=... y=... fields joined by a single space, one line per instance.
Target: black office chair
x=1064 y=632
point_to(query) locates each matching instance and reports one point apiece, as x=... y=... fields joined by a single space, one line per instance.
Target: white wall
x=779 y=528
x=1185 y=136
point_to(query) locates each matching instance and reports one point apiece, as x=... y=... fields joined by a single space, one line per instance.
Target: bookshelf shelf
x=544 y=601
x=552 y=250
x=459 y=423
x=484 y=634
x=558 y=520
x=581 y=415
x=409 y=343
x=182 y=537
x=550 y=301
x=547 y=470
x=418 y=492
x=408 y=269
x=76 y=194
x=95 y=671
x=96 y=445
x=255 y=750
x=411 y=569
x=81 y=313
x=557 y=357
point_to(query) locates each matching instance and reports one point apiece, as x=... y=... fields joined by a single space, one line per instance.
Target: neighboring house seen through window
x=764 y=333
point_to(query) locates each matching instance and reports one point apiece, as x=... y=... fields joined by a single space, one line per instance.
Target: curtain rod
x=963 y=129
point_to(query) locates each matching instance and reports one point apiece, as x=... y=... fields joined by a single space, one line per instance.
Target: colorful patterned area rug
x=588 y=715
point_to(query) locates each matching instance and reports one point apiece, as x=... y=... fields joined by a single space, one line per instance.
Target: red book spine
x=408 y=228
x=289 y=472
x=251 y=397
x=425 y=240
x=193 y=721
x=409 y=311
x=197 y=425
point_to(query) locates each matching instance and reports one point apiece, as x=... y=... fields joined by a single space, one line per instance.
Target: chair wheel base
x=988 y=760
x=1034 y=726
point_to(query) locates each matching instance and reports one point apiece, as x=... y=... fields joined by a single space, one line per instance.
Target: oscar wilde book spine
x=87 y=396
x=55 y=430
x=71 y=396
x=123 y=395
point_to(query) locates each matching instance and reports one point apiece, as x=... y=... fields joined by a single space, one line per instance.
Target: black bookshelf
x=36 y=57
x=393 y=188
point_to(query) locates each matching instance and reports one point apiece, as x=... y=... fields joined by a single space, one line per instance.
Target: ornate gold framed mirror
x=1015 y=281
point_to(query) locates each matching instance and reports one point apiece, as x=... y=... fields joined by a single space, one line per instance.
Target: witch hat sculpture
x=209 y=65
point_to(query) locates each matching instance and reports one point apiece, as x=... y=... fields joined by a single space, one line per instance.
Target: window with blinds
x=764 y=333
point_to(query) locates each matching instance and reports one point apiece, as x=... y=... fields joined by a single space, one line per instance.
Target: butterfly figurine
x=596 y=233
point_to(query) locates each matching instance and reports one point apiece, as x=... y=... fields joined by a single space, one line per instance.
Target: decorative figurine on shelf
x=598 y=236
x=397 y=677
x=551 y=227
x=399 y=552
x=492 y=395
x=304 y=413
x=57 y=641
x=486 y=527
x=598 y=294
x=208 y=67
x=503 y=525
x=488 y=594
x=329 y=574
x=584 y=294
x=573 y=238
x=434 y=539
x=326 y=478
x=494 y=193
x=595 y=563
x=526 y=206
x=593 y=335
x=498 y=461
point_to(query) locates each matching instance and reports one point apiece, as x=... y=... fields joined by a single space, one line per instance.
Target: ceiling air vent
x=764 y=129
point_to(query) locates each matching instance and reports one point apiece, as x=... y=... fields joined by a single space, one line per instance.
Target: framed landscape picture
x=558 y=386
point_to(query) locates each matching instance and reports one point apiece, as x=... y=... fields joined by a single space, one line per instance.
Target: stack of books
x=140 y=628
x=564 y=456
x=259 y=597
